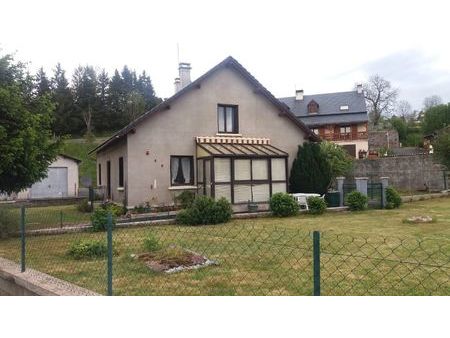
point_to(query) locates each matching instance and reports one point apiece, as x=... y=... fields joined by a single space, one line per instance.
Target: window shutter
x=260 y=170
x=223 y=190
x=222 y=170
x=242 y=170
x=242 y=193
x=278 y=169
x=261 y=192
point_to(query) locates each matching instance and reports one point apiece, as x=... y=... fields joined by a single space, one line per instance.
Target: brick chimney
x=299 y=95
x=359 y=88
x=185 y=74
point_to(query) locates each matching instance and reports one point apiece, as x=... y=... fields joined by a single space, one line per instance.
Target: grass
x=364 y=253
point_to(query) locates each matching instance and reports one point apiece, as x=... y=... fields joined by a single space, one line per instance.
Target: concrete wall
x=381 y=139
x=172 y=132
x=113 y=154
x=406 y=173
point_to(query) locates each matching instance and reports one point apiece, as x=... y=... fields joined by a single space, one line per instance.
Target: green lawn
x=367 y=253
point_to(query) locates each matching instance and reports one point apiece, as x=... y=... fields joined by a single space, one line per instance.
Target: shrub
x=356 y=201
x=283 y=205
x=84 y=206
x=185 y=199
x=116 y=209
x=317 y=205
x=9 y=221
x=88 y=249
x=151 y=243
x=99 y=219
x=204 y=210
x=393 y=198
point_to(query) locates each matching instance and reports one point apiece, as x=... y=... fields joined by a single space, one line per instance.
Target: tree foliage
x=311 y=171
x=436 y=118
x=380 y=98
x=431 y=101
x=26 y=143
x=341 y=163
x=441 y=146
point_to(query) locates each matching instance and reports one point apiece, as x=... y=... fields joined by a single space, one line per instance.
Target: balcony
x=360 y=135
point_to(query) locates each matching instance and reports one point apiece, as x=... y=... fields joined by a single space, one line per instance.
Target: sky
x=318 y=46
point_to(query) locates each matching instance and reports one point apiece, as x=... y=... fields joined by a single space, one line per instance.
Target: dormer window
x=313 y=107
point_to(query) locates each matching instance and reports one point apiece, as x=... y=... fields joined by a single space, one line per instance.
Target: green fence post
x=61 y=218
x=316 y=262
x=22 y=238
x=110 y=253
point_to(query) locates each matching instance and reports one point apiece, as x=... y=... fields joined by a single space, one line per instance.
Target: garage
x=54 y=185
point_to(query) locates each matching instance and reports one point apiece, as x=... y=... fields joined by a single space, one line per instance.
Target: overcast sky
x=318 y=46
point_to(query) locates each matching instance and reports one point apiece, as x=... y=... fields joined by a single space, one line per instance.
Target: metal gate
x=375 y=195
x=348 y=188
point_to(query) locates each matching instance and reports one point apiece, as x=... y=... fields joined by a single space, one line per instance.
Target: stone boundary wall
x=405 y=173
x=35 y=283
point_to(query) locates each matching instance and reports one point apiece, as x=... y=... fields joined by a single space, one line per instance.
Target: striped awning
x=236 y=147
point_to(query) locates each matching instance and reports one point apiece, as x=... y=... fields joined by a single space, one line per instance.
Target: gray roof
x=329 y=108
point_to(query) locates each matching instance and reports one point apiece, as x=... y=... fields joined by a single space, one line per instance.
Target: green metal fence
x=375 y=195
x=233 y=259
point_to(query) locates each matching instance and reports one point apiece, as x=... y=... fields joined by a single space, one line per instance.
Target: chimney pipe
x=359 y=88
x=299 y=95
x=177 y=84
x=185 y=73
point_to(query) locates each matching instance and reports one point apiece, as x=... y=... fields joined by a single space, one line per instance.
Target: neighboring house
x=223 y=135
x=61 y=181
x=337 y=117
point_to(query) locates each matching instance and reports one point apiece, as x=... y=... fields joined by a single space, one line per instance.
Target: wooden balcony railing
x=360 y=135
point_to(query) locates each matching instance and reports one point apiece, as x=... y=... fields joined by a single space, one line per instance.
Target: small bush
x=393 y=199
x=204 y=210
x=117 y=210
x=84 y=206
x=356 y=201
x=317 y=205
x=99 y=219
x=185 y=199
x=88 y=249
x=283 y=205
x=151 y=243
x=9 y=221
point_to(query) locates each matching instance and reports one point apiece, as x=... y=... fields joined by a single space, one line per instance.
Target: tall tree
x=65 y=121
x=431 y=101
x=103 y=115
x=145 y=87
x=380 y=97
x=26 y=144
x=43 y=84
x=405 y=111
x=442 y=146
x=436 y=118
x=85 y=95
x=117 y=101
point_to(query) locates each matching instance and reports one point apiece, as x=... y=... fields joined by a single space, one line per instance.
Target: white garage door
x=55 y=185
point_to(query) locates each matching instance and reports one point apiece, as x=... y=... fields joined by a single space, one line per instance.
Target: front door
x=108 y=179
x=207 y=178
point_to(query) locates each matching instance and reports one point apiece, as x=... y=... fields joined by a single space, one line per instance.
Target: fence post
x=316 y=262
x=61 y=218
x=340 y=188
x=110 y=253
x=22 y=238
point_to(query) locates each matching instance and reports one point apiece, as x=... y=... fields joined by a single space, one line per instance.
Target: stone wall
x=380 y=139
x=406 y=173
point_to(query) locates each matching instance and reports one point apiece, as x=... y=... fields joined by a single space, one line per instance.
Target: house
x=222 y=135
x=338 y=117
x=61 y=181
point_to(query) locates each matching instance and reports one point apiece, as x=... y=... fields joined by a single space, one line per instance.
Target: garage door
x=55 y=185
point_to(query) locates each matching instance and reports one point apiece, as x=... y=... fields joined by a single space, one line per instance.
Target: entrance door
x=108 y=179
x=351 y=149
x=207 y=174
x=53 y=186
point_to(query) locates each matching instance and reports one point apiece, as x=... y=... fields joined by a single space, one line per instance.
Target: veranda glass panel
x=261 y=192
x=242 y=170
x=278 y=169
x=242 y=193
x=223 y=190
x=260 y=170
x=278 y=187
x=200 y=170
x=222 y=170
x=200 y=189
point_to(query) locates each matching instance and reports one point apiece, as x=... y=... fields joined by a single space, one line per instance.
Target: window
x=227 y=119
x=346 y=130
x=99 y=174
x=315 y=131
x=181 y=170
x=121 y=172
x=343 y=108
x=313 y=107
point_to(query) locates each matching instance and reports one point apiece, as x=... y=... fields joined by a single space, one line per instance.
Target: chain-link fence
x=239 y=258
